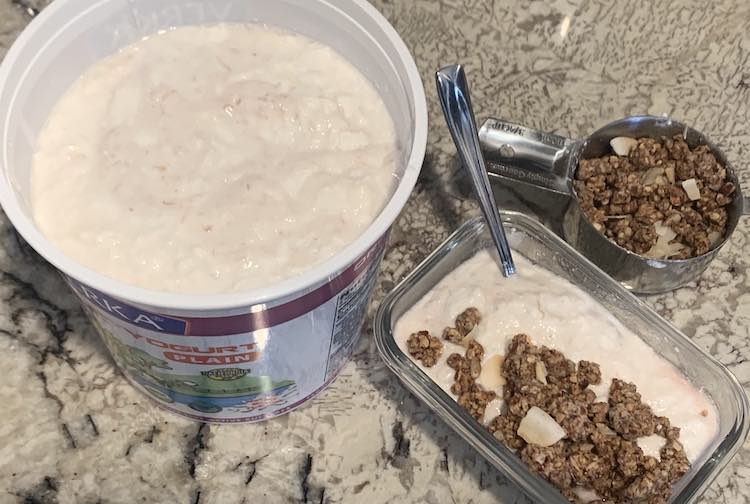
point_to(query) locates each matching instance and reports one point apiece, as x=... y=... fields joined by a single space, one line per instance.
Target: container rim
x=416 y=381
x=178 y=302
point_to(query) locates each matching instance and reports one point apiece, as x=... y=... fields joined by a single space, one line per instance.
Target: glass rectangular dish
x=543 y=248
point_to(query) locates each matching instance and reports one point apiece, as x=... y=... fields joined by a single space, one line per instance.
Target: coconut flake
x=538 y=428
x=652 y=175
x=494 y=408
x=469 y=337
x=623 y=145
x=664 y=250
x=491 y=377
x=715 y=237
x=669 y=172
x=541 y=371
x=691 y=188
x=665 y=232
x=604 y=429
x=651 y=445
x=587 y=495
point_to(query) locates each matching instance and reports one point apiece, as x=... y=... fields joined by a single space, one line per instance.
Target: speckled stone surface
x=73 y=431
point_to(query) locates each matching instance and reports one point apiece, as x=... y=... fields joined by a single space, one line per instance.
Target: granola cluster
x=466 y=321
x=599 y=451
x=427 y=348
x=596 y=449
x=662 y=199
x=471 y=396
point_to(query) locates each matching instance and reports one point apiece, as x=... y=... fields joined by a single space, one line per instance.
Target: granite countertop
x=72 y=430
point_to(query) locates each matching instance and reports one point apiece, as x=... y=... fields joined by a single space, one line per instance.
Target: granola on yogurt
x=586 y=446
x=425 y=348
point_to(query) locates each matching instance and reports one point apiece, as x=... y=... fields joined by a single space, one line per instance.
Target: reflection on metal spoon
x=453 y=91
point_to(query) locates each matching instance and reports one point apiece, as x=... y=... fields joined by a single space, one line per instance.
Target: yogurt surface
x=213 y=159
x=559 y=315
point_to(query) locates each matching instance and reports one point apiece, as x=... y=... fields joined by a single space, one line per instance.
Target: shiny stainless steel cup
x=549 y=162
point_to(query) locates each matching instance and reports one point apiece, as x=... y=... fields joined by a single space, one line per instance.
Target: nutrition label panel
x=350 y=309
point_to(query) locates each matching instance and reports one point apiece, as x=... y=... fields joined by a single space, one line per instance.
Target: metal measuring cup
x=549 y=162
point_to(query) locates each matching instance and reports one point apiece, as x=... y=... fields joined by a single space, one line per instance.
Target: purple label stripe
x=248 y=322
x=223 y=326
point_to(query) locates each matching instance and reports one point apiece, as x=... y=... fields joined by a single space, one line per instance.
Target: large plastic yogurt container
x=238 y=357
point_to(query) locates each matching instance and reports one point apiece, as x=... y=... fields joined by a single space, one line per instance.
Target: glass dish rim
x=506 y=461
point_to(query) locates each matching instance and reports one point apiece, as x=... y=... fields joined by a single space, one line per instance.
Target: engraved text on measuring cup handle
x=527 y=155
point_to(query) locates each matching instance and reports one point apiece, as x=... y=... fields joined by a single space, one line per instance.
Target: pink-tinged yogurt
x=559 y=315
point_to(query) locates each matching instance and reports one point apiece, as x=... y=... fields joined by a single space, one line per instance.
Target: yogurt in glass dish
x=216 y=182
x=544 y=372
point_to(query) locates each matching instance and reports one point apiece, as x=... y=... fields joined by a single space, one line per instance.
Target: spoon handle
x=453 y=91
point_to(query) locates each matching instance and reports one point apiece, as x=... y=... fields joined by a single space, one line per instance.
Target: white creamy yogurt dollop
x=559 y=315
x=213 y=159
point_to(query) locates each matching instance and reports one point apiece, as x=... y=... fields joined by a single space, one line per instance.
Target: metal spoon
x=453 y=91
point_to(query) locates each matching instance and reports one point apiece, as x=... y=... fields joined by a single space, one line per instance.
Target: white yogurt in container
x=218 y=196
x=218 y=172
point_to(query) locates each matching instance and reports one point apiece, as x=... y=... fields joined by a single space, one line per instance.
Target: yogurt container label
x=238 y=367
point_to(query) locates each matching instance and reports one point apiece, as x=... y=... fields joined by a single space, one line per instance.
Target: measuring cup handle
x=527 y=155
x=746 y=205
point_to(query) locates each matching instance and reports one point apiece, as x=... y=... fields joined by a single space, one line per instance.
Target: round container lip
x=179 y=302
